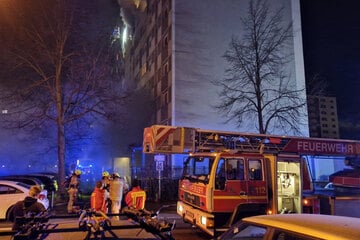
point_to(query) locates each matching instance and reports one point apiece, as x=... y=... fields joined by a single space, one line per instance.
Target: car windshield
x=245 y=231
x=197 y=168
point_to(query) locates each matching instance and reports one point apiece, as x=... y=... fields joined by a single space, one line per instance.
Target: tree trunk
x=61 y=128
x=61 y=156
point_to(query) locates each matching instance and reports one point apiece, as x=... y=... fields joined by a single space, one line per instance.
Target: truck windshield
x=197 y=168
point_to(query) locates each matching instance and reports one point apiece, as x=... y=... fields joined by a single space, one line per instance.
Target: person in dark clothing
x=29 y=205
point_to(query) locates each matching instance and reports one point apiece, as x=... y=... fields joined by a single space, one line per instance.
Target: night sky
x=331 y=34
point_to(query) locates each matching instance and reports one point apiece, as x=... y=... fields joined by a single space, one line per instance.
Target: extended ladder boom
x=172 y=139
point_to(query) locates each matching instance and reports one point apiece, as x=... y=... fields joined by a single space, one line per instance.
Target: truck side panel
x=346 y=206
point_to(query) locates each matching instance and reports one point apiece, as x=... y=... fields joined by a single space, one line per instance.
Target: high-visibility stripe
x=161 y=133
x=238 y=197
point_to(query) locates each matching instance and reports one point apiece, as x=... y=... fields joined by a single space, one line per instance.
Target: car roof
x=40 y=175
x=20 y=178
x=46 y=179
x=316 y=225
x=15 y=183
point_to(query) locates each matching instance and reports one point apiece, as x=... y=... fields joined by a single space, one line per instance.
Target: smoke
x=131 y=9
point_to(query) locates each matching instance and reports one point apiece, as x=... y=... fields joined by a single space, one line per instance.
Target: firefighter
x=97 y=199
x=116 y=193
x=106 y=186
x=136 y=197
x=73 y=190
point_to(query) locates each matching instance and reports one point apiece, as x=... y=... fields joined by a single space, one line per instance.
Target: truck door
x=256 y=184
x=288 y=185
x=235 y=183
x=230 y=186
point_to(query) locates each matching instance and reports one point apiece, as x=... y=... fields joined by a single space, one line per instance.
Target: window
x=4 y=189
x=220 y=175
x=255 y=170
x=235 y=169
x=164 y=99
x=280 y=235
x=249 y=232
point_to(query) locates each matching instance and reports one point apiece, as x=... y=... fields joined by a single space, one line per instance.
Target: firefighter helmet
x=105 y=174
x=115 y=174
x=77 y=172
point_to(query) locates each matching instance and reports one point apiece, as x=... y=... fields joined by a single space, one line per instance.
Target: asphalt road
x=182 y=231
x=188 y=232
x=131 y=230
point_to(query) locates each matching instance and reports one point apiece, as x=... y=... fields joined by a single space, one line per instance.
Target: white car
x=294 y=226
x=12 y=192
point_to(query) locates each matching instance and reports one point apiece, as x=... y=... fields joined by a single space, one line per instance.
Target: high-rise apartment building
x=323 y=120
x=149 y=54
x=175 y=49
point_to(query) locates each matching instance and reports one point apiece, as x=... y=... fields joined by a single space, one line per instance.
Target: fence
x=169 y=189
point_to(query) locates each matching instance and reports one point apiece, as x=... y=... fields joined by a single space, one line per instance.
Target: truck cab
x=218 y=189
x=231 y=175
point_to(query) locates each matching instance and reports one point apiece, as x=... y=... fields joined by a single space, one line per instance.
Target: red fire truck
x=230 y=175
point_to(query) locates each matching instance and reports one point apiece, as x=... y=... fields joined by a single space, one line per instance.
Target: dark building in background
x=330 y=34
x=323 y=118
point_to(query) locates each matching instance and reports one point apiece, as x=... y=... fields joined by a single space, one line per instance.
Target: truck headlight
x=203 y=220
x=181 y=209
x=208 y=222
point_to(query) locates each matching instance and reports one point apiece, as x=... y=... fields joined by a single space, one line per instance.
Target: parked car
x=295 y=226
x=28 y=180
x=49 y=181
x=12 y=192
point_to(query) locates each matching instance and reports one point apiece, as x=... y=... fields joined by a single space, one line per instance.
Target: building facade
x=175 y=49
x=323 y=120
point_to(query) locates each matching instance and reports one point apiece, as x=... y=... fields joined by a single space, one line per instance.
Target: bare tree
x=61 y=79
x=257 y=87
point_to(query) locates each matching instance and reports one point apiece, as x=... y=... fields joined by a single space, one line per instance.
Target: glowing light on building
x=124 y=36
